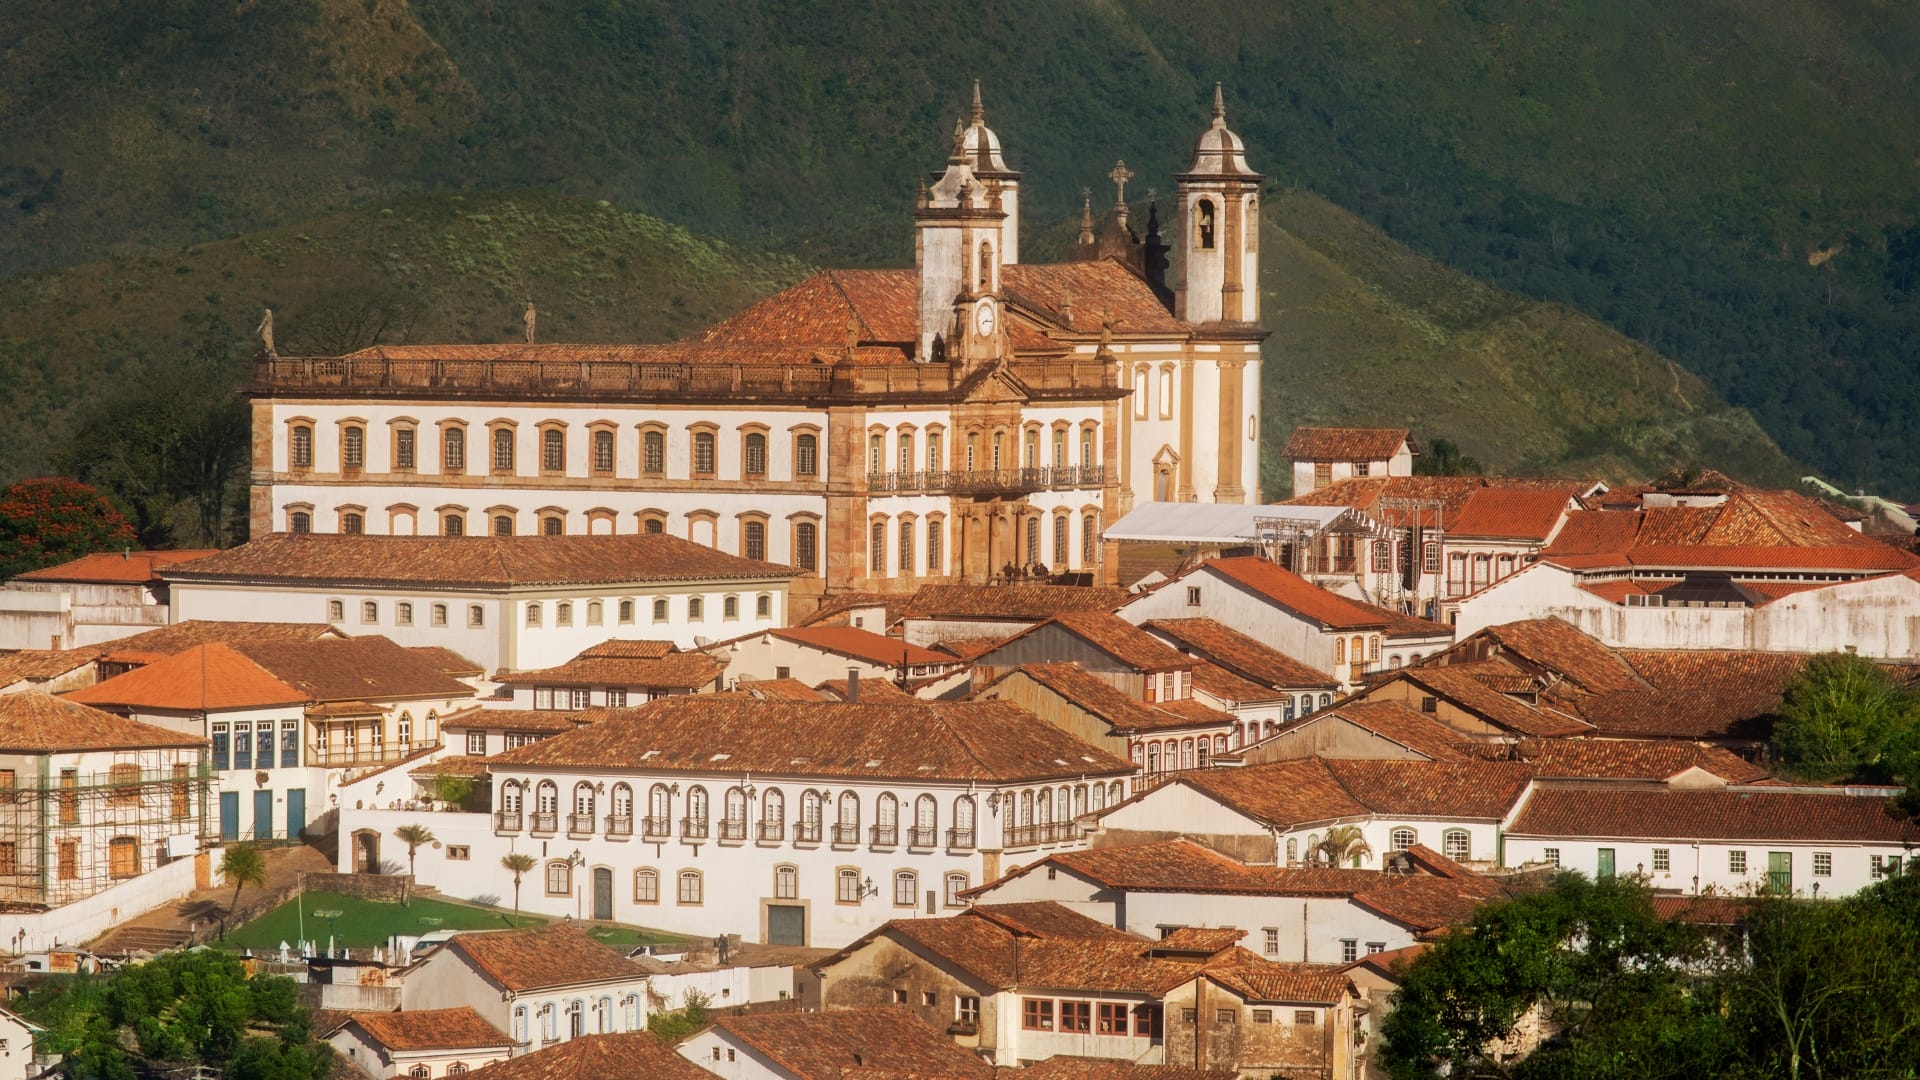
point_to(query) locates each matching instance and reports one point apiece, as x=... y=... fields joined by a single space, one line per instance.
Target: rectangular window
x=221 y=741
x=934 y=527
x=603 y=451
x=403 y=614
x=476 y=744
x=1303 y=1017
x=966 y=1009
x=182 y=793
x=459 y=852
x=1736 y=862
x=1270 y=941
x=1550 y=856
x=1263 y=1016
x=1076 y=1016
x=353 y=447
x=696 y=608
x=242 y=746
x=616 y=697
x=476 y=616
x=439 y=614
x=906 y=547
x=289 y=744
x=877 y=548
x=653 y=452
x=703 y=453
x=125 y=782
x=68 y=864
x=453 y=450
x=1349 y=950
x=1823 y=864
x=1193 y=596
x=403 y=448
x=1224 y=1016
x=1662 y=860
x=899 y=997
x=300 y=453
x=9 y=858
x=1110 y=1018
x=1036 y=1014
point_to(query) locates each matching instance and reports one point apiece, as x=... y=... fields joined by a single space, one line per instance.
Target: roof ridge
x=866 y=330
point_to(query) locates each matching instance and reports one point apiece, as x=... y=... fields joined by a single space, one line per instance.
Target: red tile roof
x=203 y=678
x=1098 y=289
x=871 y=690
x=1289 y=590
x=182 y=636
x=34 y=722
x=780 y=689
x=1749 y=530
x=628 y=649
x=431 y=1029
x=629 y=1055
x=541 y=957
x=1123 y=713
x=474 y=561
x=113 y=567
x=1028 y=603
x=1554 y=645
x=861 y=644
x=816 y=312
x=1641 y=759
x=1282 y=794
x=1344 y=444
x=844 y=1043
x=1511 y=513
x=1222 y=685
x=355 y=669
x=1465 y=691
x=1119 y=639
x=988 y=741
x=676 y=671
x=1390 y=720
x=41 y=665
x=1247 y=657
x=1471 y=789
x=1746 y=814
x=1068 y=1067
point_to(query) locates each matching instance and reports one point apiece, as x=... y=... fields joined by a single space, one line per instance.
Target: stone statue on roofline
x=265 y=330
x=529 y=318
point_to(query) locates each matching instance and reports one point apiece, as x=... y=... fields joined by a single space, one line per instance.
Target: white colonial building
x=874 y=429
x=507 y=603
x=786 y=822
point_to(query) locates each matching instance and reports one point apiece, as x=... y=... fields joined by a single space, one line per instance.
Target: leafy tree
x=1443 y=457
x=518 y=863
x=1839 y=715
x=243 y=865
x=671 y=1027
x=287 y=1057
x=414 y=836
x=1343 y=844
x=452 y=789
x=49 y=521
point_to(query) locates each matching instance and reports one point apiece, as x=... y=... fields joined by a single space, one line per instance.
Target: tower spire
x=1219 y=106
x=1086 y=217
x=979 y=113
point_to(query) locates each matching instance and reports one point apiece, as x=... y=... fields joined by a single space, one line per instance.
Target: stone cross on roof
x=1120 y=175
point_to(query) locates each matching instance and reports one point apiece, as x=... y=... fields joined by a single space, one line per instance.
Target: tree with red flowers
x=49 y=521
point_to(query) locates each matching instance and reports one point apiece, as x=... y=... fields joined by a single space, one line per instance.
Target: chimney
x=853 y=685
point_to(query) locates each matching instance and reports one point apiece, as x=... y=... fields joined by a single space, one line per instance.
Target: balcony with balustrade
x=960 y=839
x=580 y=824
x=619 y=826
x=922 y=836
x=884 y=836
x=509 y=821
x=733 y=830
x=693 y=828
x=807 y=832
x=773 y=832
x=656 y=827
x=546 y=821
x=1002 y=482
x=846 y=835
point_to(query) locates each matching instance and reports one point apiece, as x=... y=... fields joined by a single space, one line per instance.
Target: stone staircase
x=127 y=940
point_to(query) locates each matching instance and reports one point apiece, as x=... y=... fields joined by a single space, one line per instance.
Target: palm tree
x=519 y=863
x=1344 y=843
x=243 y=865
x=415 y=837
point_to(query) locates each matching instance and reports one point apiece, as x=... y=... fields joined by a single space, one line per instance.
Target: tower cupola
x=1216 y=252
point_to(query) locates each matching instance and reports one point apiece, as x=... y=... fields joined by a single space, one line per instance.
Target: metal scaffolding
x=66 y=835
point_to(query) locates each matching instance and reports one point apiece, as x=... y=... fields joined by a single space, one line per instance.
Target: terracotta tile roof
x=431 y=1029
x=202 y=678
x=1068 y=1067
x=1205 y=940
x=1638 y=759
x=629 y=1055
x=1467 y=692
x=1470 y=789
x=1344 y=443
x=1751 y=529
x=541 y=957
x=1696 y=694
x=40 y=665
x=1289 y=590
x=353 y=669
x=1044 y=918
x=815 y=312
x=1121 y=640
x=1096 y=288
x=1751 y=813
x=1716 y=669
x=967 y=648
x=750 y=353
x=1511 y=513
x=1247 y=657
x=1391 y=962
x=1184 y=866
x=861 y=645
x=467 y=765
x=990 y=741
x=345 y=708
x=483 y=561
x=871 y=690
x=1014 y=602
x=780 y=689
x=1401 y=626
x=449 y=662
x=548 y=721
x=1390 y=720
x=182 y=636
x=1428 y=904
x=1703 y=910
x=676 y=671
x=835 y=609
x=628 y=649
x=1282 y=794
x=35 y=722
x=112 y=567
x=1123 y=713
x=1556 y=646
x=1222 y=685
x=1262 y=981
x=845 y=1043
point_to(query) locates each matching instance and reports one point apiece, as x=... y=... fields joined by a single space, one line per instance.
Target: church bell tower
x=1216 y=253
x=965 y=229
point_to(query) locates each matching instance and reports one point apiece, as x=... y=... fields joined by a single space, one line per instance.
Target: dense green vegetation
x=1845 y=718
x=176 y=1011
x=1799 y=988
x=1731 y=185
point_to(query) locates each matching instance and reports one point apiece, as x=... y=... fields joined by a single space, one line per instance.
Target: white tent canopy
x=1211 y=524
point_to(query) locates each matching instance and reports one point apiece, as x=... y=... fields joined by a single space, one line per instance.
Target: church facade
x=970 y=418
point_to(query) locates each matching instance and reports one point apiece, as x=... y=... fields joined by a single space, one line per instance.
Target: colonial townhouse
x=830 y=1046
x=1025 y=982
x=507 y=603
x=874 y=429
x=1731 y=569
x=1261 y=685
x=88 y=600
x=1341 y=638
x=541 y=985
x=816 y=654
x=1110 y=648
x=90 y=802
x=1322 y=456
x=959 y=613
x=614 y=674
x=290 y=724
x=1370 y=730
x=419 y=1044
x=786 y=822
x=1158 y=737
x=1308 y=914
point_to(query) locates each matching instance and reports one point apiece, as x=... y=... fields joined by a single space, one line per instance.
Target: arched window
x=659 y=810
x=786 y=882
x=458 y=1068
x=1031 y=456
x=692 y=888
x=961 y=836
x=1293 y=851
x=736 y=809
x=1339 y=650
x=300 y=521
x=595 y=612
x=300 y=447
x=621 y=823
x=847 y=829
x=1456 y=844
x=1042 y=809
x=453 y=450
x=546 y=798
x=956 y=884
x=626 y=611
x=352 y=524
x=886 y=819
x=630 y=1012
x=1306 y=704
x=1033 y=540
x=1203 y=224
x=353 y=446
x=755 y=537
x=1402 y=839
x=1026 y=808
x=810 y=814
x=877 y=546
x=703 y=453
x=806 y=546
x=985 y=281
x=646 y=886
x=1061 y=541
x=553 y=450
x=1116 y=793
x=754 y=457
x=876 y=455
x=603 y=451
x=559 y=877
x=773 y=814
x=653 y=452
x=1153 y=758
x=926 y=821
x=503 y=449
x=904 y=452
x=1313 y=848
x=563 y=613
x=549 y=1023
x=696 y=823
x=906 y=888
x=806 y=455
x=1059 y=448
x=533 y=613
x=1098 y=799
x=510 y=796
x=906 y=546
x=1326 y=700
x=576 y=1019
x=660 y=609
x=604 y=1007
x=520 y=1023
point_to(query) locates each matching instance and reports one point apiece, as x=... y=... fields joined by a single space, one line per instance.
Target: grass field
x=366 y=923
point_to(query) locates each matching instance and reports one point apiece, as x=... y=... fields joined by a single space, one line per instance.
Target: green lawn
x=366 y=923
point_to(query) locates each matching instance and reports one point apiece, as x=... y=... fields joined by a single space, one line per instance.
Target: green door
x=263 y=815
x=1605 y=867
x=1780 y=873
x=296 y=813
x=786 y=924
x=229 y=815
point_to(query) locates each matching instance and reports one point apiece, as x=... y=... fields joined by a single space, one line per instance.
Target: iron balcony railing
x=656 y=826
x=733 y=829
x=806 y=832
x=579 y=823
x=619 y=824
x=885 y=836
x=846 y=834
x=693 y=828
x=546 y=821
x=508 y=821
x=985 y=481
x=960 y=838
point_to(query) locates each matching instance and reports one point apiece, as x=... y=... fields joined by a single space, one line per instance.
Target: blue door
x=296 y=813
x=263 y=815
x=229 y=815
